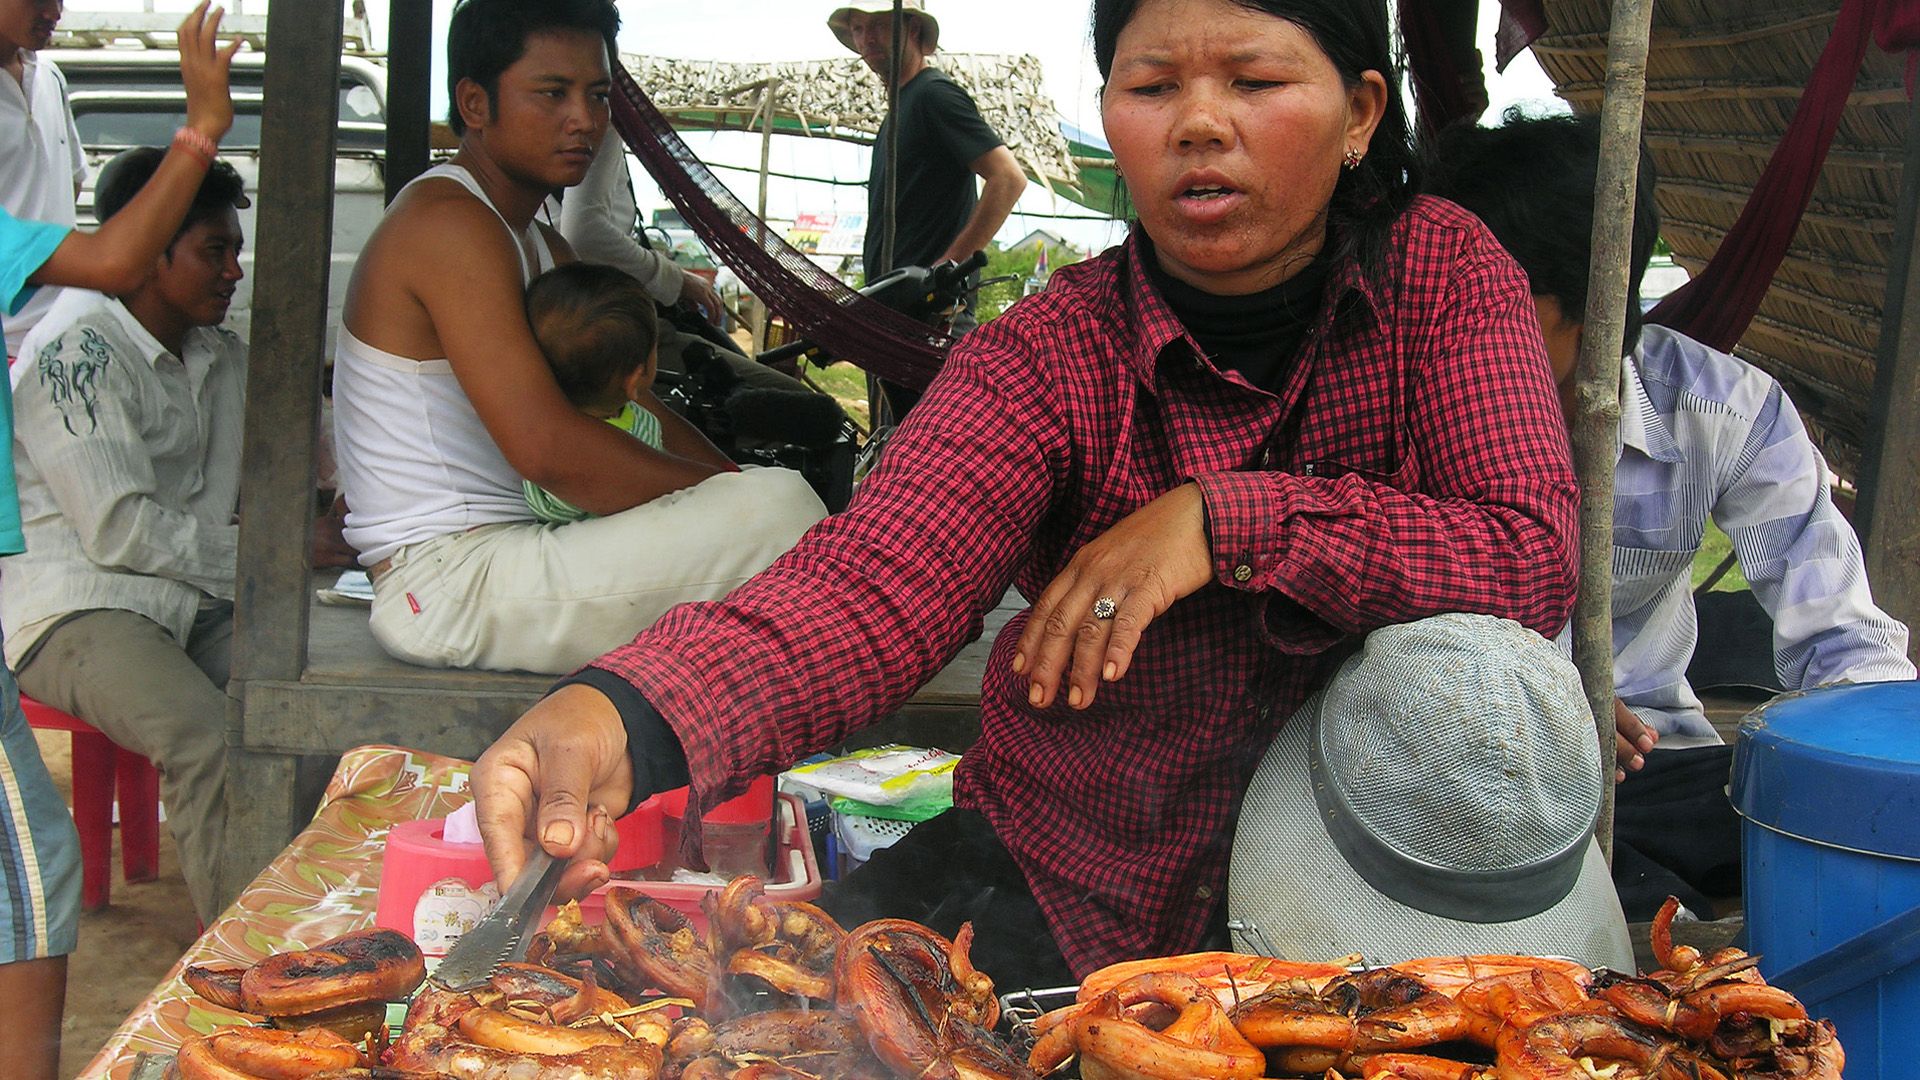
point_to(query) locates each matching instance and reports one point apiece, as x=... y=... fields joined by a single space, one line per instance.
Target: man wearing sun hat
x=1438 y=797
x=944 y=144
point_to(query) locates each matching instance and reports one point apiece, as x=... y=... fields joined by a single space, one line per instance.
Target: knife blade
x=497 y=936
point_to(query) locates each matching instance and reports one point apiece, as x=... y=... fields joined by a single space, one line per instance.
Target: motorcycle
x=803 y=429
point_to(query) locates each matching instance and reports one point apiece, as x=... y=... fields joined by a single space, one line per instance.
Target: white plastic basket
x=859 y=836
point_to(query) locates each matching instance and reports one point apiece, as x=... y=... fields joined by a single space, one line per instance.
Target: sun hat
x=1437 y=797
x=910 y=11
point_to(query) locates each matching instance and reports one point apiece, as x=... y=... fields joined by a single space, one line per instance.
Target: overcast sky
x=1053 y=30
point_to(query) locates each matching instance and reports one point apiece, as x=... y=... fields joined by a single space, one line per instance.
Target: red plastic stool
x=99 y=769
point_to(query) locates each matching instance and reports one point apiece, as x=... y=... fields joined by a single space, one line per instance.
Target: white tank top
x=415 y=460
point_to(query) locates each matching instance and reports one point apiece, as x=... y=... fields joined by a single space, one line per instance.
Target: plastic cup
x=737 y=834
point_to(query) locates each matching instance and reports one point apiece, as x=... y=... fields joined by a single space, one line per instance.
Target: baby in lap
x=597 y=328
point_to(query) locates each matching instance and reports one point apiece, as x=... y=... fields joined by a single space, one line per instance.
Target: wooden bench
x=351 y=694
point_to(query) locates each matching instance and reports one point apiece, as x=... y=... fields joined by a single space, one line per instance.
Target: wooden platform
x=351 y=693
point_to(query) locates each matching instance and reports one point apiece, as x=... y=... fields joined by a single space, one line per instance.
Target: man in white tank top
x=444 y=404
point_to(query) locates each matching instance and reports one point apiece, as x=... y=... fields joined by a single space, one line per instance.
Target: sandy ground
x=126 y=948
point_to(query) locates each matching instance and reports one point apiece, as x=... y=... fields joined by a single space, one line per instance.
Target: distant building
x=1059 y=249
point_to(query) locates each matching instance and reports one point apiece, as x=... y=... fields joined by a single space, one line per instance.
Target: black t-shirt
x=941 y=134
x=1256 y=335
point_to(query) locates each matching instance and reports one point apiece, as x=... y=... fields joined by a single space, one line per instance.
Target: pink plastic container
x=642 y=841
x=431 y=890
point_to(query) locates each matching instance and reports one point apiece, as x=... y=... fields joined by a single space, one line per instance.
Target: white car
x=128 y=94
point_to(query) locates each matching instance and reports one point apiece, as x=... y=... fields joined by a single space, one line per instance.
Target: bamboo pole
x=769 y=96
x=893 y=141
x=1597 y=383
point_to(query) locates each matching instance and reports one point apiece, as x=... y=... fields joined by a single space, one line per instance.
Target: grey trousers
x=126 y=675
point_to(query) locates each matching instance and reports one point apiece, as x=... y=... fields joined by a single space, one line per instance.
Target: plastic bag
x=887 y=776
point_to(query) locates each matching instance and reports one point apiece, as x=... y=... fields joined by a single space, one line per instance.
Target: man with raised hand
x=444 y=405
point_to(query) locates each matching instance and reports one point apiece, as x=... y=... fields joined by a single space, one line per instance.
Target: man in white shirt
x=127 y=450
x=597 y=216
x=41 y=165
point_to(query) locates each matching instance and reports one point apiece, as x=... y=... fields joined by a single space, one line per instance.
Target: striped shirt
x=1412 y=461
x=1705 y=434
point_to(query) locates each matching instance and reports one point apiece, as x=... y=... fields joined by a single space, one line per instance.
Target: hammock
x=825 y=311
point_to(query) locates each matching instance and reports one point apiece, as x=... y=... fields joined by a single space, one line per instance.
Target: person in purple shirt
x=39 y=850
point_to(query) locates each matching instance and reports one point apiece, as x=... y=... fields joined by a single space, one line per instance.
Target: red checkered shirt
x=1412 y=462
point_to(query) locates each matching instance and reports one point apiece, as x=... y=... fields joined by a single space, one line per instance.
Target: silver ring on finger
x=1104 y=607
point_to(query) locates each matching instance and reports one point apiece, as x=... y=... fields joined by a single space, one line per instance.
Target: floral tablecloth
x=324 y=884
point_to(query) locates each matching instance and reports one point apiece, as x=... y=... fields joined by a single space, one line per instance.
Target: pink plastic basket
x=432 y=890
x=796 y=874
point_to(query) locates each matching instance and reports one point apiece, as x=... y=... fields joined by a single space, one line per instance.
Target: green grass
x=847 y=384
x=1714 y=548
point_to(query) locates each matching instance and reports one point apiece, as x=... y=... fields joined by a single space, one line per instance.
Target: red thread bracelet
x=194 y=142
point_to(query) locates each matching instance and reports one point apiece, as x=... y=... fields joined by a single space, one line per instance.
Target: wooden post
x=1597 y=383
x=769 y=95
x=299 y=127
x=892 y=204
x=409 y=90
x=1887 y=514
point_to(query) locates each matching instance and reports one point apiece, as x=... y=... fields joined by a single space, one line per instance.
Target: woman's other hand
x=1149 y=559
x=203 y=70
x=1632 y=739
x=553 y=774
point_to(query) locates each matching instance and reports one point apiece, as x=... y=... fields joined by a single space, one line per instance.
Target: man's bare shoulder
x=437 y=248
x=437 y=217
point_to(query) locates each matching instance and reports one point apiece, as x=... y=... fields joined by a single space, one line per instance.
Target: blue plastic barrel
x=1828 y=783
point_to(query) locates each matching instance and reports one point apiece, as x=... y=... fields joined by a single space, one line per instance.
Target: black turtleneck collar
x=1257 y=334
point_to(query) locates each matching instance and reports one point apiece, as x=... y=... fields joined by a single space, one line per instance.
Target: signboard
x=808 y=230
x=828 y=234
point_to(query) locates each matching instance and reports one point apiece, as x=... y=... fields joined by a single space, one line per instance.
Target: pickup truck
x=123 y=77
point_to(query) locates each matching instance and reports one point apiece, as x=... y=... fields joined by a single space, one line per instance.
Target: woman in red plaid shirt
x=1300 y=403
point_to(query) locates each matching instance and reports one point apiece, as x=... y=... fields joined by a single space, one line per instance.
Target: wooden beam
x=1761 y=147
x=409 y=90
x=1692 y=90
x=1713 y=35
x=1596 y=420
x=1871 y=218
x=1887 y=514
x=294 y=226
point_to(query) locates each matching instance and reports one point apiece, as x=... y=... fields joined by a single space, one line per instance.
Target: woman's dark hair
x=596 y=325
x=486 y=37
x=122 y=177
x=1531 y=180
x=1354 y=35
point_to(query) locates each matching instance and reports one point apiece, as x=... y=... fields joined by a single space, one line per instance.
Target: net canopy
x=821 y=307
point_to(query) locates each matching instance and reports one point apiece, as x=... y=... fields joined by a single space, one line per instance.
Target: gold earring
x=1351 y=159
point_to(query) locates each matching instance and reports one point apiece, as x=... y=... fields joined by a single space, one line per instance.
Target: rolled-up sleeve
x=1803 y=560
